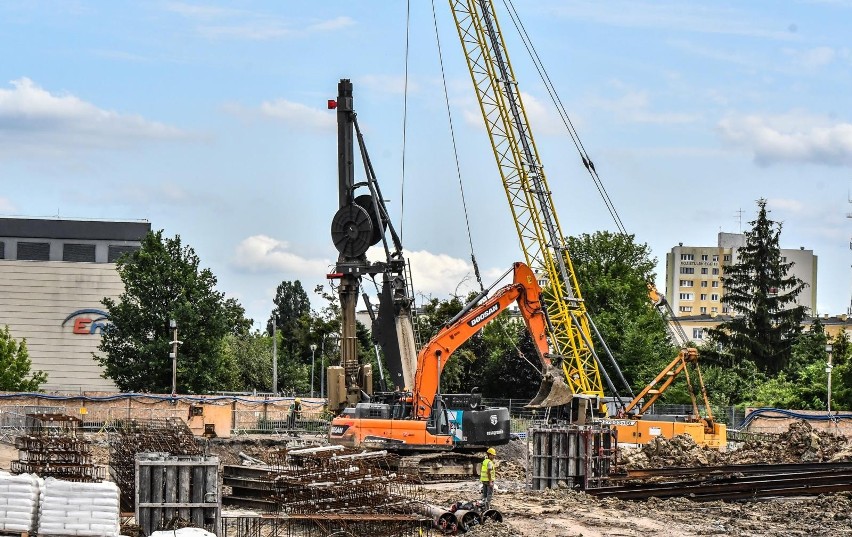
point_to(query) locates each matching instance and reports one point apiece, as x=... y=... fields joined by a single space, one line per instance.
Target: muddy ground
x=563 y=513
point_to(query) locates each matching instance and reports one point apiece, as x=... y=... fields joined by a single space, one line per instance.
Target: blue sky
x=210 y=120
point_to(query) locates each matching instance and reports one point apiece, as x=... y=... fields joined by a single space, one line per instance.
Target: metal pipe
x=467 y=519
x=444 y=520
x=492 y=515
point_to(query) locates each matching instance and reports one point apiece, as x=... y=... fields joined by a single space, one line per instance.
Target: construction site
x=389 y=454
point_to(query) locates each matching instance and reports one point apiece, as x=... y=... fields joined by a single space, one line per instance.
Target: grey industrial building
x=54 y=274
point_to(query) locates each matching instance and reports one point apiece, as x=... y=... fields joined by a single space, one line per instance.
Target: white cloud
x=263 y=254
x=634 y=106
x=441 y=275
x=337 y=23
x=7 y=207
x=298 y=114
x=34 y=119
x=793 y=137
x=217 y=23
x=387 y=83
x=812 y=58
x=679 y=16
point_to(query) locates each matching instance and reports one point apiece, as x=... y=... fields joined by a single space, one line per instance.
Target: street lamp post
x=173 y=354
x=828 y=368
x=275 y=354
x=313 y=354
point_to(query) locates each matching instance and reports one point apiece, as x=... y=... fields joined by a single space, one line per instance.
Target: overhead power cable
x=563 y=114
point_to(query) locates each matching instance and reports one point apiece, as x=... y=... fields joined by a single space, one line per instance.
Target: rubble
x=493 y=529
x=799 y=444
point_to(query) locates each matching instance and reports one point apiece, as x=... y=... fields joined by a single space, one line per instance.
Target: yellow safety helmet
x=491 y=451
x=297 y=400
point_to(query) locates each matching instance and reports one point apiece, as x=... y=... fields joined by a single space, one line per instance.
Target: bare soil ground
x=563 y=513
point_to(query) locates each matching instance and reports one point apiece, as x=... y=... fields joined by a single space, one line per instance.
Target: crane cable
x=461 y=184
x=404 y=117
x=554 y=97
x=455 y=151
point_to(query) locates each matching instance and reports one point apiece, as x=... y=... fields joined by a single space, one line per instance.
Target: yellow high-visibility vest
x=483 y=472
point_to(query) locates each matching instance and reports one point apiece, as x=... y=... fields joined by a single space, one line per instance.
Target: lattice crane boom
x=527 y=191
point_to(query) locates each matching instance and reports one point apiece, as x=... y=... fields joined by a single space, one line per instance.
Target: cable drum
x=351 y=230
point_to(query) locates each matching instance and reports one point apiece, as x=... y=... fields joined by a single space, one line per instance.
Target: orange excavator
x=423 y=420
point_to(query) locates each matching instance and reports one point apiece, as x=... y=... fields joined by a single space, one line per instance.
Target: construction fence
x=240 y=414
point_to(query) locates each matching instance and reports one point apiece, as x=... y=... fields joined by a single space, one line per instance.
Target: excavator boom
x=524 y=290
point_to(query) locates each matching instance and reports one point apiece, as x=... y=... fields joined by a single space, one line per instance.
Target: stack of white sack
x=85 y=509
x=18 y=502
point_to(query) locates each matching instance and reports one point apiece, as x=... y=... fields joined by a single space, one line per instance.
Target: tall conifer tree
x=761 y=294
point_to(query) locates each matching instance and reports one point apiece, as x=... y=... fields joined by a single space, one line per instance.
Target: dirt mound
x=516 y=451
x=493 y=529
x=664 y=452
x=800 y=443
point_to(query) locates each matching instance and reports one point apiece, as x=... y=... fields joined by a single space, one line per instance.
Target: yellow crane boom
x=528 y=193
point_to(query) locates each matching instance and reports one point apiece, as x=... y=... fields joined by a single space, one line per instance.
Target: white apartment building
x=694 y=275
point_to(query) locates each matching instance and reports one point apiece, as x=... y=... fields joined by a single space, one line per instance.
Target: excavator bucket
x=553 y=391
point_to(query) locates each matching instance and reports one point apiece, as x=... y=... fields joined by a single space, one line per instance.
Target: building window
x=686 y=257
x=703 y=310
x=703 y=297
x=115 y=252
x=697 y=333
x=727 y=257
x=715 y=284
x=704 y=257
x=704 y=270
x=686 y=283
x=725 y=309
x=715 y=272
x=2 y=250
x=704 y=283
x=783 y=258
x=716 y=258
x=687 y=296
x=685 y=309
x=687 y=270
x=714 y=297
x=34 y=251
x=79 y=253
x=714 y=310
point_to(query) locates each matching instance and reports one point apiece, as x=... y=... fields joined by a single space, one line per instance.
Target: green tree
x=841 y=376
x=762 y=295
x=15 y=366
x=162 y=281
x=612 y=273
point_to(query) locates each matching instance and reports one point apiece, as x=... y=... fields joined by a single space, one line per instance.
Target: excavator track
x=443 y=466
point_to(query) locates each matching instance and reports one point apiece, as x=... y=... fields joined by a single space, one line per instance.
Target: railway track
x=732 y=482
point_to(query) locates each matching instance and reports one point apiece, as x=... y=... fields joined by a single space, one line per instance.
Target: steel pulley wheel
x=366 y=203
x=352 y=230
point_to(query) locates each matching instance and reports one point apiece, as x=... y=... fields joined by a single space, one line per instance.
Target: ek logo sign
x=86 y=325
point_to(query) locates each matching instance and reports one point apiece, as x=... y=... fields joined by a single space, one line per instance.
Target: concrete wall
x=36 y=300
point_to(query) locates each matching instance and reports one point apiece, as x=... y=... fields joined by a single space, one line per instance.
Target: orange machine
x=423 y=419
x=705 y=430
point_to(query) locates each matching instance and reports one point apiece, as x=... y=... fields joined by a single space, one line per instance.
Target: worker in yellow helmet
x=295 y=413
x=486 y=476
